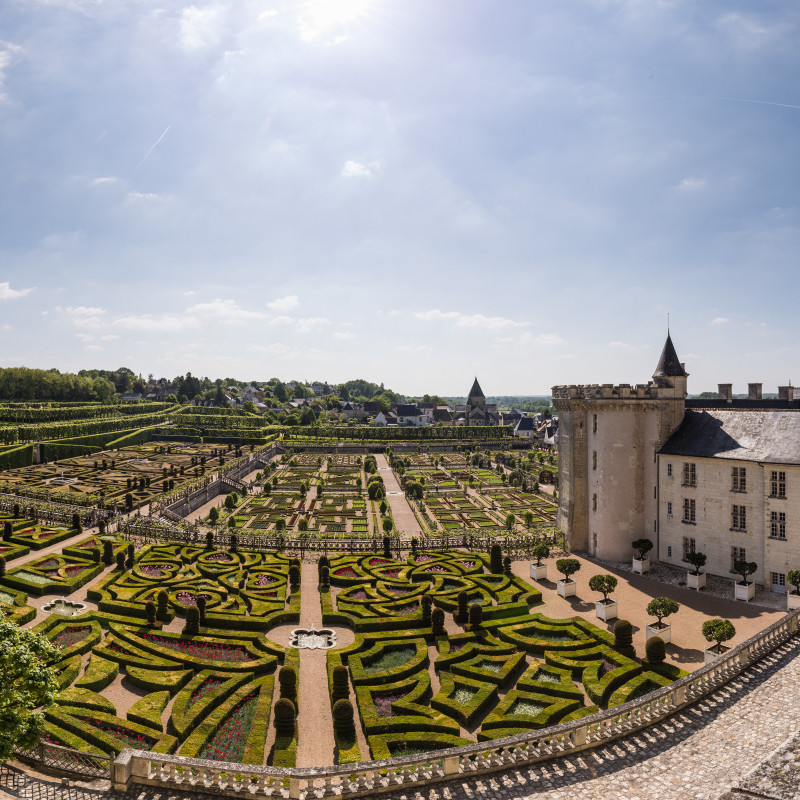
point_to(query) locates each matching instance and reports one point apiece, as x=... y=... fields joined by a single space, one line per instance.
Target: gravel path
x=404 y=519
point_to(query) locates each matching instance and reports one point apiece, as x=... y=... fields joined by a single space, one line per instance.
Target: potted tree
x=696 y=579
x=642 y=563
x=539 y=570
x=719 y=631
x=744 y=589
x=606 y=608
x=660 y=607
x=793 y=598
x=566 y=586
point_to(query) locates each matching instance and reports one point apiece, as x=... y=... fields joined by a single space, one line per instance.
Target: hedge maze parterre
x=511 y=672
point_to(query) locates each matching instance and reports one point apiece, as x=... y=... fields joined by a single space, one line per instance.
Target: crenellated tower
x=608 y=437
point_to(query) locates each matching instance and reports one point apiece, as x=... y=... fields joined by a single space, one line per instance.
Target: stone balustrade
x=133 y=767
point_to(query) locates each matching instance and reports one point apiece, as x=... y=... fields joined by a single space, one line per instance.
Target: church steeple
x=476 y=396
x=669 y=365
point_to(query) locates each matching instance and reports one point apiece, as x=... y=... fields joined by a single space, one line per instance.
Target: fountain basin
x=313 y=639
x=67 y=608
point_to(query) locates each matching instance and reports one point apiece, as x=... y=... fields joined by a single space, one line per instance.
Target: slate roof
x=475 y=391
x=407 y=410
x=525 y=424
x=442 y=415
x=744 y=435
x=669 y=365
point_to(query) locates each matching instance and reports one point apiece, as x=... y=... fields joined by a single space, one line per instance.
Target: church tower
x=608 y=438
x=476 y=396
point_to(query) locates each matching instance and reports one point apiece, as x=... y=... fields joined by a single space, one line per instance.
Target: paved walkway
x=404 y=519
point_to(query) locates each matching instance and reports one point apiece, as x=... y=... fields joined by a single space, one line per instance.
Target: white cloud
x=224 y=311
x=109 y=337
x=306 y=324
x=7 y=53
x=147 y=322
x=628 y=347
x=285 y=304
x=7 y=293
x=8 y=327
x=282 y=321
x=358 y=169
x=84 y=337
x=344 y=335
x=199 y=27
x=719 y=321
x=92 y=347
x=471 y=320
x=105 y=181
x=691 y=184
x=84 y=316
x=144 y=197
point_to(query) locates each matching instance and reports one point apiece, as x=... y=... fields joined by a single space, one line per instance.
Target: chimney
x=753 y=391
x=725 y=392
x=784 y=393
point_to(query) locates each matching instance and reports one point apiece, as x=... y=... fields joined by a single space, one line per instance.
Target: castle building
x=719 y=476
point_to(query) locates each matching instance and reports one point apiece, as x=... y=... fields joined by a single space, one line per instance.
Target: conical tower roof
x=669 y=365
x=476 y=391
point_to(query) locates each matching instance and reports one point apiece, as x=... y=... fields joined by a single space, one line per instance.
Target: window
x=689 y=474
x=669 y=508
x=777 y=525
x=739 y=518
x=739 y=479
x=688 y=546
x=778 y=484
x=594 y=423
x=689 y=510
x=594 y=459
x=669 y=551
x=778 y=580
x=737 y=554
x=669 y=470
x=594 y=502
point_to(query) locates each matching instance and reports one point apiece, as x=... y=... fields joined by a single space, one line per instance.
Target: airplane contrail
x=720 y=99
x=157 y=142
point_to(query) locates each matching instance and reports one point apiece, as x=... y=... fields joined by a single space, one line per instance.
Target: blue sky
x=408 y=191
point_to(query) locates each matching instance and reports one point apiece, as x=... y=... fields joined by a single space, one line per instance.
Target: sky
x=406 y=191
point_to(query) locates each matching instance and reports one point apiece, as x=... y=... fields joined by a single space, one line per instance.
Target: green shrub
x=294 y=576
x=463 y=606
x=2 y=567
x=324 y=577
x=719 y=631
x=507 y=565
x=496 y=560
x=341 y=683
x=475 y=615
x=131 y=556
x=201 y=607
x=605 y=584
x=120 y=560
x=568 y=566
x=661 y=607
x=162 y=600
x=150 y=612
x=96 y=555
x=285 y=717
x=655 y=651
x=623 y=638
x=642 y=547
x=192 y=627
x=437 y=622
x=343 y=721
x=287 y=679
x=427 y=604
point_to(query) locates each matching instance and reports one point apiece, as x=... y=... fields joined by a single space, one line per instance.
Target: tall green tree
x=28 y=682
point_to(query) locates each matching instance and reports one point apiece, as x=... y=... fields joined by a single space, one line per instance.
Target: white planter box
x=641 y=565
x=606 y=611
x=696 y=581
x=567 y=588
x=539 y=573
x=713 y=655
x=792 y=601
x=664 y=633
x=744 y=592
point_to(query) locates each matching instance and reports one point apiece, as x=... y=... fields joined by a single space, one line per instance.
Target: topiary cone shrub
x=623 y=638
x=96 y=555
x=414 y=545
x=101 y=527
x=324 y=577
x=341 y=683
x=324 y=561
x=343 y=720
x=437 y=622
x=496 y=560
x=131 y=556
x=8 y=529
x=201 y=607
x=287 y=678
x=192 y=626
x=475 y=615
x=234 y=545
x=2 y=567
x=463 y=606
x=76 y=521
x=108 y=553
x=120 y=561
x=162 y=601
x=150 y=612
x=294 y=576
x=507 y=565
x=285 y=714
x=655 y=651
x=209 y=540
x=427 y=606
x=387 y=549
